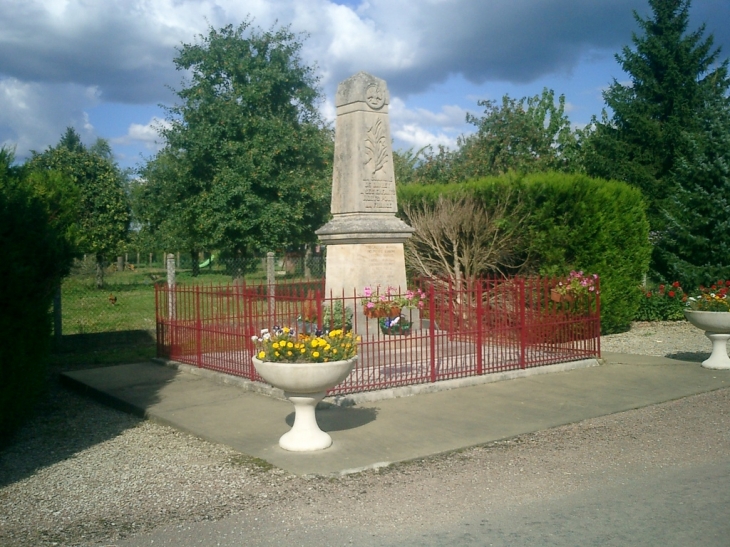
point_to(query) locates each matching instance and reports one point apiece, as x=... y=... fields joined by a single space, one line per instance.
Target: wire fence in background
x=126 y=299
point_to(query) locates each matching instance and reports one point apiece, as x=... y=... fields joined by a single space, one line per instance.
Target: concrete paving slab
x=377 y=433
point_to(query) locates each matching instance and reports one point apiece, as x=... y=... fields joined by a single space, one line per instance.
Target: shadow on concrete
x=692 y=356
x=336 y=418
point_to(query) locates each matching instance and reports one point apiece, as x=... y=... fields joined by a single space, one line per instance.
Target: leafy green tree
x=674 y=76
x=531 y=134
x=103 y=205
x=526 y=135
x=163 y=207
x=405 y=163
x=254 y=156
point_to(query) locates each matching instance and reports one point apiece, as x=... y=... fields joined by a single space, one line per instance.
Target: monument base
x=350 y=268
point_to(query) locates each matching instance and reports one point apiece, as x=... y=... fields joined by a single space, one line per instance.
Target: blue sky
x=105 y=66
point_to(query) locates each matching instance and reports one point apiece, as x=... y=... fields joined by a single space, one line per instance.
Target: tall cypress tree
x=659 y=119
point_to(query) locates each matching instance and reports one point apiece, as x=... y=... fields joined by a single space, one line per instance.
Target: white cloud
x=415 y=136
x=59 y=58
x=147 y=135
x=419 y=127
x=34 y=115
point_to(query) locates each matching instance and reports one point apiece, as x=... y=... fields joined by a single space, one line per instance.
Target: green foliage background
x=37 y=252
x=575 y=222
x=247 y=165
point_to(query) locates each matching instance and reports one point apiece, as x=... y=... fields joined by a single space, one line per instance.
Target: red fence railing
x=478 y=327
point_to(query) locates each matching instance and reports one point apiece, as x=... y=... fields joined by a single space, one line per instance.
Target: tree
x=458 y=237
x=694 y=247
x=164 y=208
x=674 y=77
x=103 y=212
x=526 y=135
x=254 y=156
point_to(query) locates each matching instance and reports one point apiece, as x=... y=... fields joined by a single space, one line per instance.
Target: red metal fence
x=479 y=327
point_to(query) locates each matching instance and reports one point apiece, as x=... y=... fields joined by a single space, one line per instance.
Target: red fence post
x=432 y=330
x=598 y=316
x=479 y=326
x=523 y=321
x=198 y=329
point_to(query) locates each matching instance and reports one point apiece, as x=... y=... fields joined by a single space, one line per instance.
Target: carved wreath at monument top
x=375 y=96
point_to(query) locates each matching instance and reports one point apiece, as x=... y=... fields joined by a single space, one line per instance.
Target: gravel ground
x=84 y=474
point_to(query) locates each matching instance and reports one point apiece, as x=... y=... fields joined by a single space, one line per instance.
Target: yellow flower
x=334 y=351
x=286 y=330
x=262 y=354
x=315 y=354
x=277 y=354
x=275 y=345
x=289 y=345
x=327 y=347
x=289 y=354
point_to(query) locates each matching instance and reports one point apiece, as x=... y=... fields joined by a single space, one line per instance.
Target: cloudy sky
x=105 y=66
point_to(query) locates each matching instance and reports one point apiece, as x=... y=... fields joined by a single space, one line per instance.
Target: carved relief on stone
x=375 y=96
x=376 y=147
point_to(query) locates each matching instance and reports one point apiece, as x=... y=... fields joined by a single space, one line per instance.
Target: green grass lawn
x=86 y=309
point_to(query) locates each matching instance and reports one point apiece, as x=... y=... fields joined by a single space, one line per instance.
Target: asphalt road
x=657 y=476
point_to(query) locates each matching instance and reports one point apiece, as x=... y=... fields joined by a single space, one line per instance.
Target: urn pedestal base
x=717 y=328
x=305 y=435
x=719 y=359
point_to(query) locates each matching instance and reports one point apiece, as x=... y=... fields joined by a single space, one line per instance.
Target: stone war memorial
x=364 y=238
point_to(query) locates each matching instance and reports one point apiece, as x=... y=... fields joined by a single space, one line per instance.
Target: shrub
x=662 y=303
x=575 y=222
x=36 y=254
x=598 y=226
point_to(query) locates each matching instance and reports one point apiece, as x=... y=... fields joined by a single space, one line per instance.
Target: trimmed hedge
x=36 y=253
x=574 y=222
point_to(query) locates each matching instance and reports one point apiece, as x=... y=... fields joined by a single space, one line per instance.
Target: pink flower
x=370 y=305
x=367 y=292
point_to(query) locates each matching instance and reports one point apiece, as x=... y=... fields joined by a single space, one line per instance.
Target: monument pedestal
x=352 y=267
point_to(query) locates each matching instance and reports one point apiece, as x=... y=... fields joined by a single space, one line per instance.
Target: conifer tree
x=659 y=120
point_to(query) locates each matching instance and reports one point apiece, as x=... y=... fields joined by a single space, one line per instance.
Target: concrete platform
x=379 y=432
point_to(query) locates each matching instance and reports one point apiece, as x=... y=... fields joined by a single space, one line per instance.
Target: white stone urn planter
x=716 y=325
x=305 y=385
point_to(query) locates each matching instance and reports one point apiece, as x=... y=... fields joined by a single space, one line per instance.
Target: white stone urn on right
x=716 y=325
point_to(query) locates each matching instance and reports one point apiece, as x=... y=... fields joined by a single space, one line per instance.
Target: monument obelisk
x=364 y=238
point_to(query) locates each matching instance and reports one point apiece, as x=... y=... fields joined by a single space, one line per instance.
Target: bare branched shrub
x=459 y=238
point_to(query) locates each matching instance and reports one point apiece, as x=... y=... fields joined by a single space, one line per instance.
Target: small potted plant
x=304 y=367
x=578 y=287
x=390 y=303
x=336 y=316
x=710 y=311
x=395 y=325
